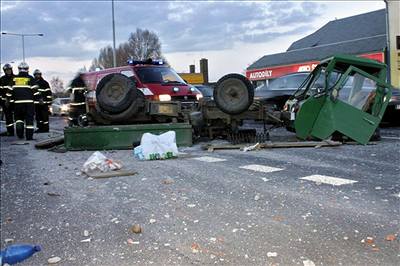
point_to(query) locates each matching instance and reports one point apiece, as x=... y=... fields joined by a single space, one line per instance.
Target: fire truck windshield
x=161 y=75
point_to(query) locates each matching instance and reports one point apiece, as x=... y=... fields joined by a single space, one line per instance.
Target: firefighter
x=42 y=104
x=6 y=102
x=24 y=93
x=77 y=105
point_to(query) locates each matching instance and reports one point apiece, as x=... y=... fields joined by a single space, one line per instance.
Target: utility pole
x=113 y=30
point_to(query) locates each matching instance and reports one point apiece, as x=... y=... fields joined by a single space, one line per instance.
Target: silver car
x=60 y=106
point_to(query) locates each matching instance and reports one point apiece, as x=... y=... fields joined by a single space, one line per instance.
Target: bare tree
x=141 y=45
x=144 y=44
x=57 y=87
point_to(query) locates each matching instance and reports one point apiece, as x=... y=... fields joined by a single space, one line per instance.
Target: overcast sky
x=232 y=35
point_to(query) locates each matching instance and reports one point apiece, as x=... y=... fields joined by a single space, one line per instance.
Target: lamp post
x=22 y=35
x=113 y=30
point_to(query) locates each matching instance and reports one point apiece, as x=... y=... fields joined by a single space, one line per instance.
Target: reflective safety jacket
x=77 y=89
x=6 y=83
x=24 y=89
x=45 y=91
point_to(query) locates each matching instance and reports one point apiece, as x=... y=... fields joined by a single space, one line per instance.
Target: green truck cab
x=343 y=94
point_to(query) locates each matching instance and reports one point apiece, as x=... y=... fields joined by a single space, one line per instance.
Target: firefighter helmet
x=23 y=67
x=7 y=66
x=37 y=72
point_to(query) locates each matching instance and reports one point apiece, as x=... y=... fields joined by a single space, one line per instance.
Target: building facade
x=362 y=35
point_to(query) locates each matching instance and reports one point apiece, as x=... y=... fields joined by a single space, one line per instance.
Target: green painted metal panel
x=348 y=120
x=120 y=137
x=307 y=116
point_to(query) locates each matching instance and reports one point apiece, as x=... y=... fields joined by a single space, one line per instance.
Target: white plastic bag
x=97 y=162
x=155 y=147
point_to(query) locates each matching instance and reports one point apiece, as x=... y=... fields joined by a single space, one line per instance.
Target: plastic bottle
x=17 y=253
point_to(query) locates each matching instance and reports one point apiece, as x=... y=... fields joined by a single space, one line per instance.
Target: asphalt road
x=226 y=207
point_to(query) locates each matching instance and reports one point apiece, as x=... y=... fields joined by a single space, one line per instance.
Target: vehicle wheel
x=115 y=92
x=233 y=94
x=126 y=115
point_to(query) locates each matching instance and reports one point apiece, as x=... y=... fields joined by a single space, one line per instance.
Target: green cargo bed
x=121 y=137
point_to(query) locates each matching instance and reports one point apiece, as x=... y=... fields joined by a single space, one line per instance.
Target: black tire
x=115 y=93
x=233 y=94
x=125 y=116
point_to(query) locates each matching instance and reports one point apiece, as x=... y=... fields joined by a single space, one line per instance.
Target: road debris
x=87 y=240
x=152 y=221
x=252 y=147
x=272 y=254
x=257 y=197
x=53 y=260
x=390 y=237
x=53 y=194
x=195 y=248
x=136 y=228
x=97 y=162
x=271 y=145
x=112 y=174
x=369 y=240
x=168 y=181
x=8 y=240
x=49 y=143
x=308 y=263
x=85 y=233
x=19 y=143
x=158 y=147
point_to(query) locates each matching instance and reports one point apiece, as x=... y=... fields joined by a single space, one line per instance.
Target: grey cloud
x=80 y=29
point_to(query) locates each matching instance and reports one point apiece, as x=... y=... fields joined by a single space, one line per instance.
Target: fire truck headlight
x=175 y=89
x=192 y=89
x=164 y=97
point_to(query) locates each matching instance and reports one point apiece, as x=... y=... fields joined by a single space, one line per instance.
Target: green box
x=121 y=137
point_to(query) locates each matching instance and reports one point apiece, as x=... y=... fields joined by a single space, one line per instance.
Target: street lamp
x=23 y=39
x=113 y=30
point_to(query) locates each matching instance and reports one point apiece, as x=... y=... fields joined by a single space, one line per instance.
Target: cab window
x=158 y=75
x=358 y=91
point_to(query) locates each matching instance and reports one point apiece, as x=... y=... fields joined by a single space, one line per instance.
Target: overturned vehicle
x=344 y=96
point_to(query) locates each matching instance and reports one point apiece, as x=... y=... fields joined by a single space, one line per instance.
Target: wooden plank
x=270 y=145
x=48 y=143
x=300 y=144
x=112 y=174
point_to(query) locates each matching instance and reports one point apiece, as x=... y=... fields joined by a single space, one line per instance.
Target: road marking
x=335 y=181
x=209 y=159
x=390 y=138
x=261 y=168
x=396 y=195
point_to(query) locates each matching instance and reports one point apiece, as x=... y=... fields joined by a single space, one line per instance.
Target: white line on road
x=390 y=138
x=335 y=181
x=209 y=159
x=261 y=168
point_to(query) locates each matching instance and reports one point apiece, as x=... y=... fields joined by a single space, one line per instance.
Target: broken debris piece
x=53 y=260
x=136 y=228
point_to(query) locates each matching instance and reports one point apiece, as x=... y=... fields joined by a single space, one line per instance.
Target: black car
x=392 y=113
x=207 y=91
x=279 y=90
